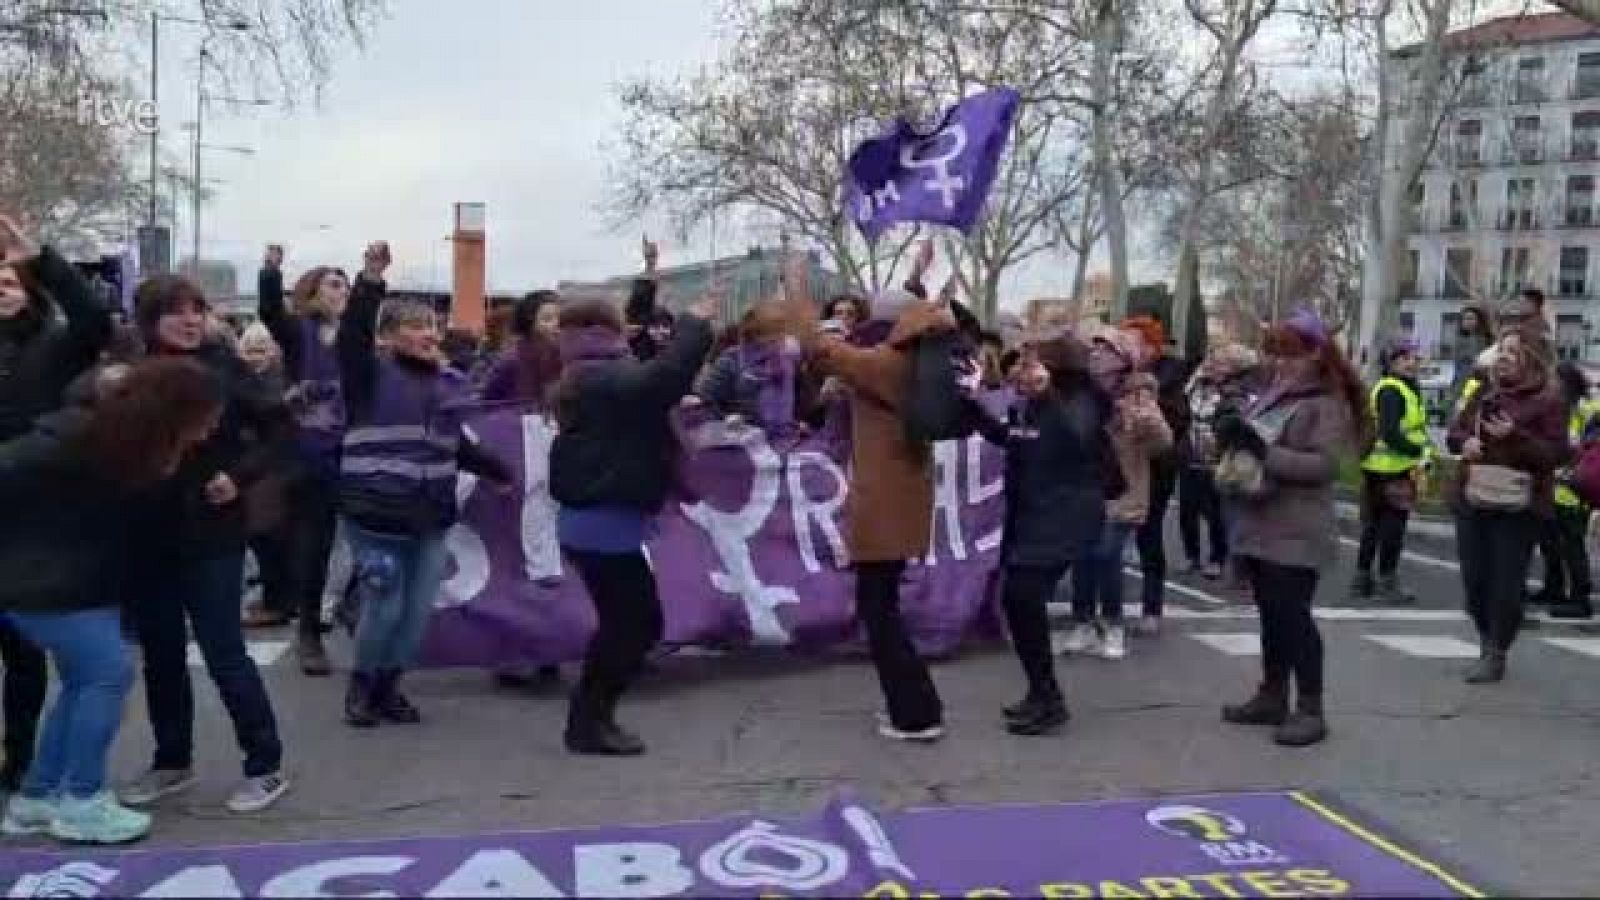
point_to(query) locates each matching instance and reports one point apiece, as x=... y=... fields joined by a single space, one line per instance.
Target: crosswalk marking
x=265 y=653
x=1426 y=646
x=1232 y=643
x=1586 y=646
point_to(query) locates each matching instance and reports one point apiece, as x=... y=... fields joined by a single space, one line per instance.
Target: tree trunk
x=1106 y=36
x=1380 y=301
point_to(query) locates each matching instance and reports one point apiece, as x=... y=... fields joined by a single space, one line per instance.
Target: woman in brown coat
x=1518 y=424
x=889 y=512
x=1313 y=412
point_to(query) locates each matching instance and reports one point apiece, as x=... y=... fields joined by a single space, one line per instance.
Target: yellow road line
x=1389 y=847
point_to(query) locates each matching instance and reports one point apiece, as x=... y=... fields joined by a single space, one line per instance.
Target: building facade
x=1507 y=200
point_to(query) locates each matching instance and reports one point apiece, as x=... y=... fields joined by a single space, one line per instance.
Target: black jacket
x=1391 y=415
x=616 y=446
x=1172 y=381
x=251 y=440
x=40 y=356
x=63 y=532
x=1057 y=463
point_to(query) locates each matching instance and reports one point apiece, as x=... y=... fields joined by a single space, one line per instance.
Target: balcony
x=1524 y=92
x=1523 y=153
x=1517 y=220
x=1462 y=156
x=1586 y=87
x=1578 y=217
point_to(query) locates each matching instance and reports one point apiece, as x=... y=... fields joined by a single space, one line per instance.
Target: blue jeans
x=171 y=597
x=1097 y=581
x=96 y=671
x=397 y=580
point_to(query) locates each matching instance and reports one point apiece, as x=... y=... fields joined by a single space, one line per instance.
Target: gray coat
x=1293 y=523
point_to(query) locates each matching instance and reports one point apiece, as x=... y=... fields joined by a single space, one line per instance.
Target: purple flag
x=943 y=176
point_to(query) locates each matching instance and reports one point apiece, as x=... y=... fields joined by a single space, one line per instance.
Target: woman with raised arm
x=611 y=467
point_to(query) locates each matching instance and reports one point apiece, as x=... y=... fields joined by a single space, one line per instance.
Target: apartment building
x=1508 y=199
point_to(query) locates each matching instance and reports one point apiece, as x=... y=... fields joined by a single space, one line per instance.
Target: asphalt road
x=1502 y=778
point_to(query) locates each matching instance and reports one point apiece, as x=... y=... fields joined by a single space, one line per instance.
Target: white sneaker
x=155 y=784
x=98 y=820
x=922 y=736
x=1115 y=643
x=1082 y=639
x=257 y=794
x=28 y=815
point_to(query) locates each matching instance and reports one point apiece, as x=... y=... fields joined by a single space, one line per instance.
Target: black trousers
x=1563 y=544
x=309 y=538
x=271 y=550
x=908 y=688
x=1200 y=502
x=1152 y=536
x=1023 y=596
x=629 y=622
x=1383 y=526
x=1291 y=644
x=1495 y=549
x=26 y=682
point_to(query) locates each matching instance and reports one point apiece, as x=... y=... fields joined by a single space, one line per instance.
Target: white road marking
x=1585 y=646
x=1426 y=646
x=1434 y=561
x=1231 y=643
x=265 y=653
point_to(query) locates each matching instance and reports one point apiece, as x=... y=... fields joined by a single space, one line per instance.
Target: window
x=1449 y=330
x=1519 y=204
x=1527 y=142
x=1514 y=269
x=1457 y=271
x=1463 y=204
x=1574 y=271
x=1580 y=201
x=1408 y=273
x=1530 y=81
x=1571 y=336
x=1585 y=136
x=1468 y=147
x=1474 y=83
x=1587 y=82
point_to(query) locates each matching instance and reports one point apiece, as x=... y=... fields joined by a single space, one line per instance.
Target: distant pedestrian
x=1563 y=541
x=1389 y=474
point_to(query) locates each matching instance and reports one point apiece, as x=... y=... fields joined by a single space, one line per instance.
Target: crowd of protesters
x=333 y=428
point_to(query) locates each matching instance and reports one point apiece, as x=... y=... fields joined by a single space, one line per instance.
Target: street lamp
x=196 y=195
x=156 y=19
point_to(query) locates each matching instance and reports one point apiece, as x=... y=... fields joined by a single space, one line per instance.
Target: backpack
x=935 y=408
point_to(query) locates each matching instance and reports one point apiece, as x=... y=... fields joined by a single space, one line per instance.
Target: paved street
x=1502 y=779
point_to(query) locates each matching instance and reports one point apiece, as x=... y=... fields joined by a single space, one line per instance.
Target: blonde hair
x=256 y=336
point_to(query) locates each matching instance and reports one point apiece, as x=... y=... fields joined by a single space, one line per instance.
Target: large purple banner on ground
x=749 y=551
x=1241 y=845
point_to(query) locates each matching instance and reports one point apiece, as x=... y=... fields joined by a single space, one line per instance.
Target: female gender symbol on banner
x=942 y=182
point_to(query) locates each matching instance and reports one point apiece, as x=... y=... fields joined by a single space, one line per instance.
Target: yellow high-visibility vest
x=1386 y=460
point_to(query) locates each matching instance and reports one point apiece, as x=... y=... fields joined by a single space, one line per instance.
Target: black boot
x=1029 y=705
x=1489 y=669
x=1392 y=594
x=1269 y=706
x=590 y=729
x=1361 y=588
x=389 y=703
x=1573 y=609
x=1306 y=727
x=1045 y=717
x=358 y=709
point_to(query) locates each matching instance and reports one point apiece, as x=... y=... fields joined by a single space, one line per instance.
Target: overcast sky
x=507 y=102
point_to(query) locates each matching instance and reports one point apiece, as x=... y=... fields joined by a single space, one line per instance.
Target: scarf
x=771 y=365
x=594 y=345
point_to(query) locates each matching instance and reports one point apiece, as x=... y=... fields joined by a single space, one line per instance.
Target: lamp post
x=195 y=195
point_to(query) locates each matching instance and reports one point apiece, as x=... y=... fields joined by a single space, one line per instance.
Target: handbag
x=1497 y=488
x=1241 y=474
x=1400 y=493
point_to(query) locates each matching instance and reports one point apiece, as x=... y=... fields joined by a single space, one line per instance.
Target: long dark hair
x=1485 y=328
x=1334 y=372
x=142 y=422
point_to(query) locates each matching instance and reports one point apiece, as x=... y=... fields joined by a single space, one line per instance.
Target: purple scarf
x=772 y=365
x=594 y=345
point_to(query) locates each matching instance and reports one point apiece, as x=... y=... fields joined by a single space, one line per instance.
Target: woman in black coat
x=1058 y=462
x=40 y=355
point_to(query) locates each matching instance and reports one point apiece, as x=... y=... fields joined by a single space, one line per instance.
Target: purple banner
x=1242 y=845
x=943 y=176
x=750 y=550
